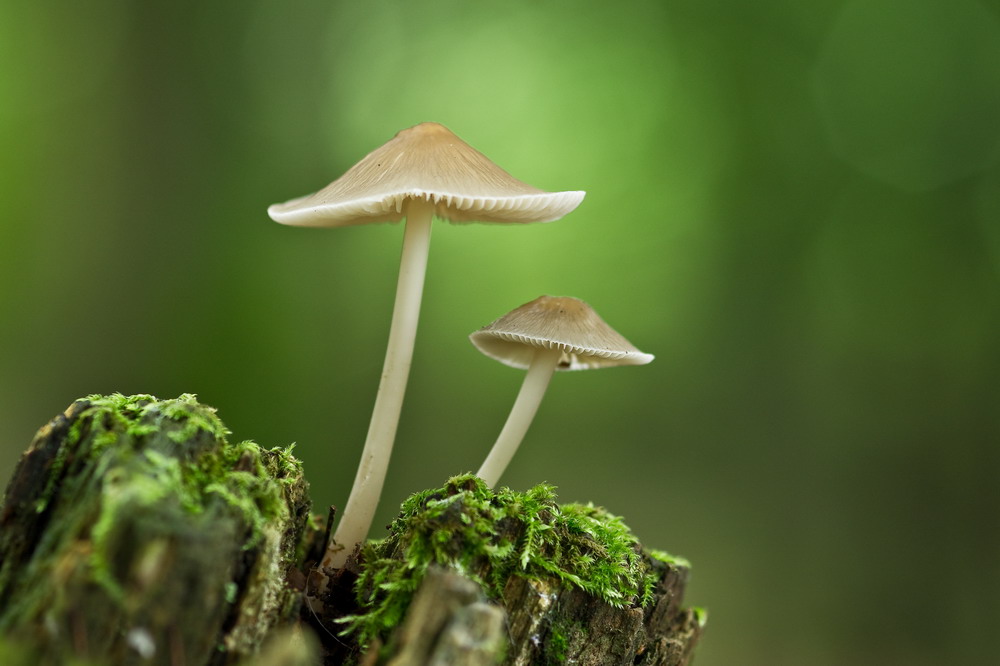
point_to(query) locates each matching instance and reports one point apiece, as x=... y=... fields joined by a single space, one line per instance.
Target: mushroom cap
x=557 y=322
x=428 y=162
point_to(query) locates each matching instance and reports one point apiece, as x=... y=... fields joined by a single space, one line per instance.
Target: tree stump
x=134 y=532
x=514 y=578
x=450 y=623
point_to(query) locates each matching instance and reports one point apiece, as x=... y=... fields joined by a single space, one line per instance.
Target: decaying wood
x=552 y=623
x=449 y=623
x=116 y=562
x=542 y=622
x=547 y=618
x=102 y=560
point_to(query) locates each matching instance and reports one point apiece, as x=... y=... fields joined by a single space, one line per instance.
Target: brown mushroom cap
x=563 y=323
x=427 y=162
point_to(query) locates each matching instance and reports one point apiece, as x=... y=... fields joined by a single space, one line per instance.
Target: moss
x=559 y=639
x=144 y=473
x=145 y=450
x=490 y=536
x=141 y=499
x=557 y=647
x=664 y=556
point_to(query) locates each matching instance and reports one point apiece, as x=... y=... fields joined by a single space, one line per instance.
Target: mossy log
x=132 y=531
x=557 y=623
x=450 y=623
x=566 y=584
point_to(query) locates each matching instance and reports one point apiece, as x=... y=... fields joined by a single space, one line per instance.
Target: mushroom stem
x=360 y=509
x=543 y=364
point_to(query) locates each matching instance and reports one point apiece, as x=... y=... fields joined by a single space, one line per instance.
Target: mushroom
x=421 y=172
x=550 y=333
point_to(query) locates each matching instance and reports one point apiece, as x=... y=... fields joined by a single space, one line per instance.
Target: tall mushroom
x=421 y=172
x=548 y=334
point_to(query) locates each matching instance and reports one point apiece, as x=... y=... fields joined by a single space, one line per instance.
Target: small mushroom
x=421 y=172
x=550 y=333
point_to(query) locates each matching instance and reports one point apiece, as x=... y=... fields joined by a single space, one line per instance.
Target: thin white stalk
x=543 y=364
x=357 y=516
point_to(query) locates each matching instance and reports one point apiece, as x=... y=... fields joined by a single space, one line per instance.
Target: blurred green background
x=795 y=206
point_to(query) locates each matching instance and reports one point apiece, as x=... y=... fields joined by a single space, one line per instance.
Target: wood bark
x=541 y=622
x=548 y=619
x=109 y=554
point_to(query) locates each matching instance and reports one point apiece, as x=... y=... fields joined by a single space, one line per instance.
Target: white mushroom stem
x=357 y=516
x=543 y=364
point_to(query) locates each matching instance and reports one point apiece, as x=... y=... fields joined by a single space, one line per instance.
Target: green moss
x=147 y=451
x=131 y=505
x=557 y=647
x=558 y=641
x=490 y=536
x=664 y=556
